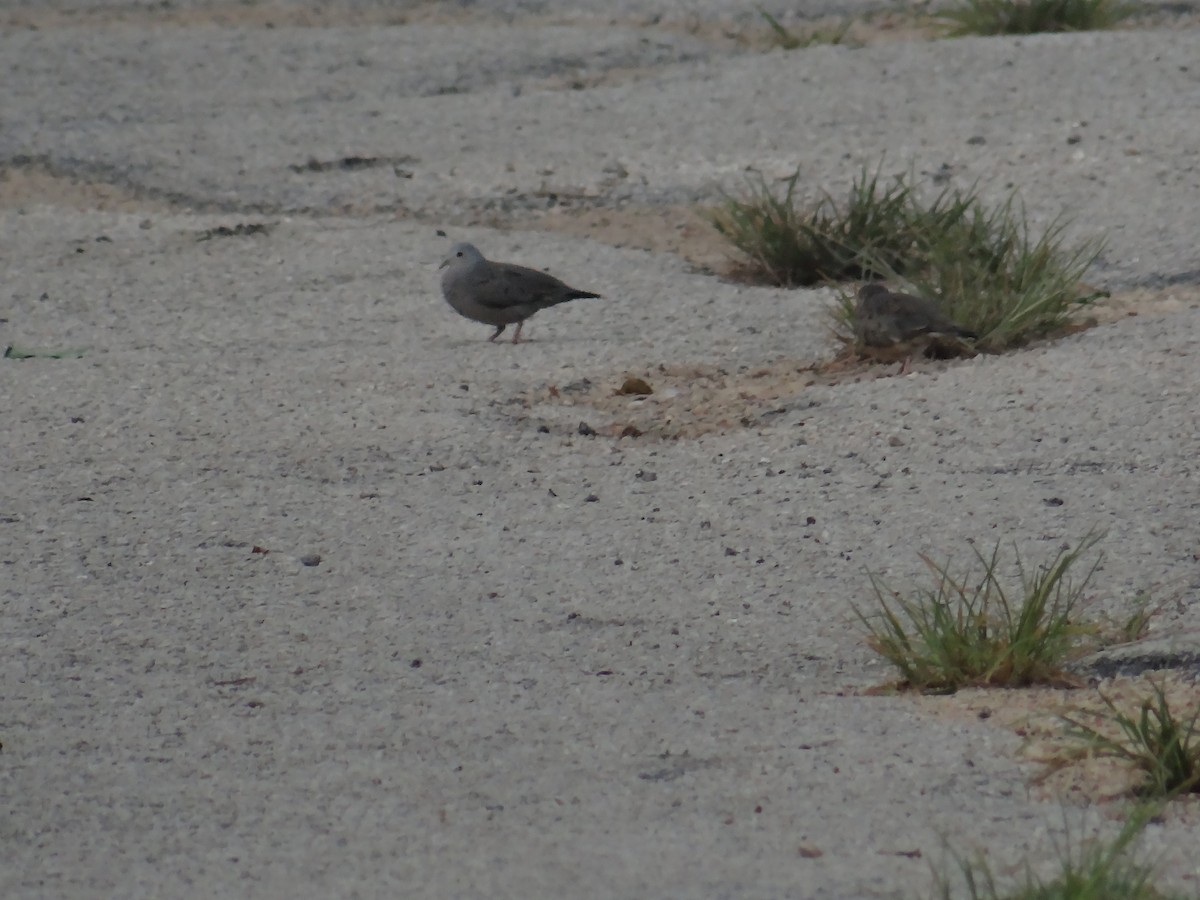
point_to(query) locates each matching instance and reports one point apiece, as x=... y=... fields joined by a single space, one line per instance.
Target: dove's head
x=462 y=255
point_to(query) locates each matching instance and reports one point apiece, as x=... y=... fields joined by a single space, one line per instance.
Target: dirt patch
x=1067 y=770
x=680 y=230
x=1143 y=302
x=689 y=401
x=35 y=184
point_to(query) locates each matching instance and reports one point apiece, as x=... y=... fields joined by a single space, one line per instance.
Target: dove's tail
x=574 y=295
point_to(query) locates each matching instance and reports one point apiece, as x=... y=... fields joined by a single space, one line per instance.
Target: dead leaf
x=635 y=385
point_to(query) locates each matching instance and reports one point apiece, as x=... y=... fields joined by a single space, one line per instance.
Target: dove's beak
x=445 y=262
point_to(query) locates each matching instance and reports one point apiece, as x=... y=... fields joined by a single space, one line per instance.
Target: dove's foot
x=517 y=334
x=496 y=333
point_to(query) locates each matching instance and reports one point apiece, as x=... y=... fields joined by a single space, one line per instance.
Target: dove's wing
x=513 y=285
x=913 y=316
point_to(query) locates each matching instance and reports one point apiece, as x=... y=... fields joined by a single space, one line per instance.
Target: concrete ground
x=310 y=591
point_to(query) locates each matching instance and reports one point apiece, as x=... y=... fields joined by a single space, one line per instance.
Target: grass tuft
x=1133 y=626
x=993 y=276
x=992 y=17
x=1095 y=871
x=1164 y=745
x=786 y=244
x=789 y=40
x=985 y=266
x=975 y=631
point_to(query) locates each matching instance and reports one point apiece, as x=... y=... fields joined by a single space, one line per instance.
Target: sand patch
x=1066 y=769
x=36 y=184
x=689 y=401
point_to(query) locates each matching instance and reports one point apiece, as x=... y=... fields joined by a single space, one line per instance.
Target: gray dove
x=499 y=294
x=884 y=318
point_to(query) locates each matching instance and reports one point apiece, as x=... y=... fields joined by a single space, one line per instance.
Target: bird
x=500 y=294
x=886 y=319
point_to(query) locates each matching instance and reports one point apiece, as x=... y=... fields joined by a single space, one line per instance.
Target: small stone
x=638 y=386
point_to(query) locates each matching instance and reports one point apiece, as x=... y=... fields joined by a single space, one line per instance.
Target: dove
x=886 y=319
x=499 y=294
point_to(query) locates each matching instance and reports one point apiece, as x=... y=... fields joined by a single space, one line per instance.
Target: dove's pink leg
x=517 y=335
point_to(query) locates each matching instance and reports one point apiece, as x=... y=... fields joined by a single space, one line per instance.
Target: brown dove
x=901 y=322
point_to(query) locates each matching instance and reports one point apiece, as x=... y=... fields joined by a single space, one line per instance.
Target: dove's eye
x=459 y=253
